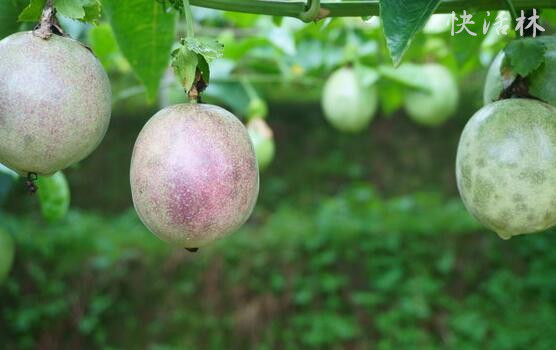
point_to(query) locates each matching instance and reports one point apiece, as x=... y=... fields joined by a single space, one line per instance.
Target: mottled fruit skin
x=7 y=252
x=194 y=175
x=347 y=104
x=506 y=166
x=55 y=103
x=435 y=106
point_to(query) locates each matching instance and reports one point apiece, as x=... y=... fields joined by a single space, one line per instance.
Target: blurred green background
x=357 y=242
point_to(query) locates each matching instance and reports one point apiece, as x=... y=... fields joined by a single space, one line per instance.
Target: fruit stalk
x=44 y=29
x=189 y=29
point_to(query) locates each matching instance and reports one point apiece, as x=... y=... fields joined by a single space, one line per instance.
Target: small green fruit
x=434 y=106
x=506 y=166
x=194 y=175
x=54 y=196
x=263 y=141
x=257 y=109
x=348 y=105
x=55 y=103
x=7 y=252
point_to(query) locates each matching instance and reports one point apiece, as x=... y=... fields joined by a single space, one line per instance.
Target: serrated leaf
x=525 y=55
x=145 y=33
x=402 y=19
x=32 y=12
x=184 y=63
x=209 y=48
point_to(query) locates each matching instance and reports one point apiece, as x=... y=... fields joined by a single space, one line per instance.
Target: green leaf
x=203 y=67
x=525 y=55
x=103 y=43
x=32 y=12
x=409 y=75
x=367 y=76
x=402 y=19
x=70 y=8
x=185 y=63
x=93 y=11
x=193 y=54
x=145 y=33
x=209 y=48
x=9 y=11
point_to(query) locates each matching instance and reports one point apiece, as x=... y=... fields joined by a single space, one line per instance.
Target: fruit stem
x=189 y=24
x=194 y=93
x=48 y=18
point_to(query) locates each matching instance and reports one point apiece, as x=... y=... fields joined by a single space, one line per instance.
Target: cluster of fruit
x=194 y=174
x=195 y=171
x=350 y=105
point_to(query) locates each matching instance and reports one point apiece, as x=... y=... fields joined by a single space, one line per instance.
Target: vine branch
x=355 y=8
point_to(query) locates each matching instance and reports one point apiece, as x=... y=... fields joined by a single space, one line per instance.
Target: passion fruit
x=506 y=166
x=194 y=175
x=438 y=101
x=348 y=105
x=55 y=103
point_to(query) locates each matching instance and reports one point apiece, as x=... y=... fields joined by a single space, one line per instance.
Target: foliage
x=358 y=270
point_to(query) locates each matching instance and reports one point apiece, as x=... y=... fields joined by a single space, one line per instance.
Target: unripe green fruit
x=54 y=196
x=434 y=106
x=263 y=141
x=495 y=80
x=506 y=166
x=542 y=81
x=194 y=175
x=257 y=109
x=7 y=252
x=347 y=104
x=55 y=103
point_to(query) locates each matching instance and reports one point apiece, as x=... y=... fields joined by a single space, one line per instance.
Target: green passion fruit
x=347 y=104
x=440 y=100
x=506 y=166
